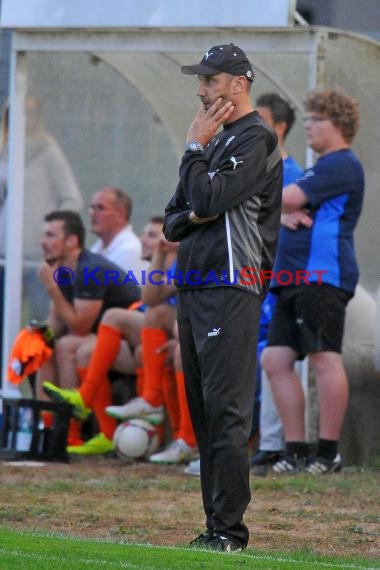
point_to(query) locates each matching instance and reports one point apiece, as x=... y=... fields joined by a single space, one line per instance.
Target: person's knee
x=323 y=362
x=160 y=316
x=269 y=362
x=65 y=349
x=83 y=354
x=277 y=360
x=65 y=345
x=112 y=317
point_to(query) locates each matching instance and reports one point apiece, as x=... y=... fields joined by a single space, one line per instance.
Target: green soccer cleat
x=72 y=397
x=97 y=445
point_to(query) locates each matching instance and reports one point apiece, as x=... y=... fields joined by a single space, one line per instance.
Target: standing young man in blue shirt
x=280 y=116
x=321 y=262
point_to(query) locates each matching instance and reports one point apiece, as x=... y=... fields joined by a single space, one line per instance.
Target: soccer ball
x=135 y=438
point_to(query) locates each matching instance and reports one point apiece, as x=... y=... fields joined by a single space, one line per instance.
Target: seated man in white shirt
x=110 y=214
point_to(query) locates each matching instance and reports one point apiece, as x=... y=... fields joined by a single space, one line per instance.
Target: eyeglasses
x=97 y=208
x=314 y=119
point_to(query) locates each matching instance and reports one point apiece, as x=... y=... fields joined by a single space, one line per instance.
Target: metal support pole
x=14 y=210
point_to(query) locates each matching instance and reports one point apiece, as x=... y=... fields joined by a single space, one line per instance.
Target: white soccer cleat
x=137 y=408
x=194 y=468
x=176 y=452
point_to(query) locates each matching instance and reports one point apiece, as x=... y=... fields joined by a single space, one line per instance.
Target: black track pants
x=218 y=331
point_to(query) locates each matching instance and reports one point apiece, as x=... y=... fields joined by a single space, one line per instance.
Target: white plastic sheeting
x=145 y=13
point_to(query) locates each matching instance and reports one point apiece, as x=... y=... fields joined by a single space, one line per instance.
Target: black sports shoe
x=321 y=466
x=263 y=459
x=203 y=539
x=221 y=543
x=290 y=465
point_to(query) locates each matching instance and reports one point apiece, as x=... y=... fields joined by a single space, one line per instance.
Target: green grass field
x=24 y=551
x=104 y=513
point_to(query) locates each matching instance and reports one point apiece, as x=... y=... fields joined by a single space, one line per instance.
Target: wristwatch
x=193 y=146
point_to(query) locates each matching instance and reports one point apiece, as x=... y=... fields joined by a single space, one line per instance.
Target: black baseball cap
x=224 y=58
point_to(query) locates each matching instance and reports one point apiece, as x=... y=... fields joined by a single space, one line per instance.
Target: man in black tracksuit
x=225 y=213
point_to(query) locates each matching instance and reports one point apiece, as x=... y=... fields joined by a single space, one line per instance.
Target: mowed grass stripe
x=30 y=550
x=13 y=555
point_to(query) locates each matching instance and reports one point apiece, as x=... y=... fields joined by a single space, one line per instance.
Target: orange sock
x=102 y=399
x=74 y=436
x=185 y=431
x=106 y=350
x=139 y=381
x=169 y=386
x=154 y=363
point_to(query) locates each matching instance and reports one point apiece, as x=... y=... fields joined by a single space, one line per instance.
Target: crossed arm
x=294 y=211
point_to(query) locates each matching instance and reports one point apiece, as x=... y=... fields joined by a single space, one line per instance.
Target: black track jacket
x=238 y=178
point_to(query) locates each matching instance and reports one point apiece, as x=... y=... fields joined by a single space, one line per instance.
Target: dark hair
x=73 y=224
x=340 y=108
x=280 y=109
x=157 y=220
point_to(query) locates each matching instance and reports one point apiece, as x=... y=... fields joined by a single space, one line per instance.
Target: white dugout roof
x=114 y=97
